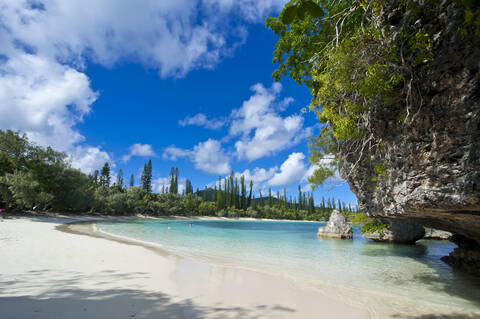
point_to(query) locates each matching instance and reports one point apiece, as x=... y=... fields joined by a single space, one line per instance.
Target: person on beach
x=1 y=214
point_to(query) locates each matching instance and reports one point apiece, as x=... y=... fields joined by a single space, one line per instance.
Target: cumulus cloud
x=201 y=119
x=251 y=10
x=291 y=171
x=46 y=45
x=257 y=175
x=262 y=131
x=164 y=182
x=173 y=153
x=138 y=149
x=88 y=158
x=208 y=156
x=45 y=100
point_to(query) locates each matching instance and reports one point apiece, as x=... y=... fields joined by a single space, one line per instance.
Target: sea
x=406 y=279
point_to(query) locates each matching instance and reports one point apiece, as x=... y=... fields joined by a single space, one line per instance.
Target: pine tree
x=243 y=197
x=120 y=178
x=270 y=201
x=311 y=205
x=95 y=177
x=174 y=180
x=205 y=193
x=147 y=177
x=300 y=197
x=132 y=181
x=188 y=187
x=250 y=194
x=105 y=175
x=237 y=194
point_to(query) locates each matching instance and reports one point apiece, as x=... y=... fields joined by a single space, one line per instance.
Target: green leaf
x=313 y=9
x=301 y=10
x=289 y=14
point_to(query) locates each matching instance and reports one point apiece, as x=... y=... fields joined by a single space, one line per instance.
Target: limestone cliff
x=430 y=165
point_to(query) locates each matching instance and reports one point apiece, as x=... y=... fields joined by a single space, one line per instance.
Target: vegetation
x=356 y=63
x=39 y=179
x=373 y=227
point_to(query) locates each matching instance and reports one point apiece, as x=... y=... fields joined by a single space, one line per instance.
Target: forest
x=38 y=179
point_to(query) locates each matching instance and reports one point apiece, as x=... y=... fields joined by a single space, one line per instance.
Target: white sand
x=47 y=273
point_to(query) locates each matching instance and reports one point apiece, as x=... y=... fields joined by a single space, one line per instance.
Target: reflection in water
x=374 y=249
x=403 y=277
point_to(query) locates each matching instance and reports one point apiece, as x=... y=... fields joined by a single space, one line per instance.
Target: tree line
x=41 y=179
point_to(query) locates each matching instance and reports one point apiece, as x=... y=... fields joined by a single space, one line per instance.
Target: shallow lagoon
x=405 y=279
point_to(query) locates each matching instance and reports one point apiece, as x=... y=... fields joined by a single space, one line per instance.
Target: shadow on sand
x=49 y=294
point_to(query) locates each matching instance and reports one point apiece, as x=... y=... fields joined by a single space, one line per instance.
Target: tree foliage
x=354 y=61
x=36 y=178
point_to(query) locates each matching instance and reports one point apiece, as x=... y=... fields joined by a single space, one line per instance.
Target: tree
x=147 y=177
x=243 y=202
x=120 y=178
x=250 y=193
x=311 y=204
x=300 y=201
x=132 y=181
x=95 y=177
x=24 y=190
x=174 y=180
x=188 y=187
x=105 y=175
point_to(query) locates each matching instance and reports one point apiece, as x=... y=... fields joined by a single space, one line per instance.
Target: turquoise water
x=407 y=279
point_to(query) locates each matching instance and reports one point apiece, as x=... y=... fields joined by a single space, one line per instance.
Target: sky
x=185 y=83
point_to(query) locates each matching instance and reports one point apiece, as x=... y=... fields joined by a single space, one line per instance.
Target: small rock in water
x=401 y=232
x=337 y=227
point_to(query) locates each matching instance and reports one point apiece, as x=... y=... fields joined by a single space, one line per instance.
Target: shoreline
x=74 y=265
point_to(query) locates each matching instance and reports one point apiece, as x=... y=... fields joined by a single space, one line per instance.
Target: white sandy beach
x=47 y=273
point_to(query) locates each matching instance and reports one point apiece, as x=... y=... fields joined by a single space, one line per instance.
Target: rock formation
x=337 y=227
x=430 y=163
x=431 y=233
x=401 y=232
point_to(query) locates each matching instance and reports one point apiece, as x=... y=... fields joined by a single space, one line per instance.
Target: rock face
x=431 y=233
x=430 y=163
x=337 y=227
x=401 y=232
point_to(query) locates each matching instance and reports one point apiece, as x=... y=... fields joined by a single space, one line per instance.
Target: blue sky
x=184 y=83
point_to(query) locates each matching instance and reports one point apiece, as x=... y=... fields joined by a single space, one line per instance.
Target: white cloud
x=258 y=175
x=251 y=10
x=164 y=182
x=45 y=100
x=261 y=129
x=88 y=158
x=173 y=153
x=46 y=45
x=138 y=149
x=201 y=119
x=291 y=171
x=207 y=156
